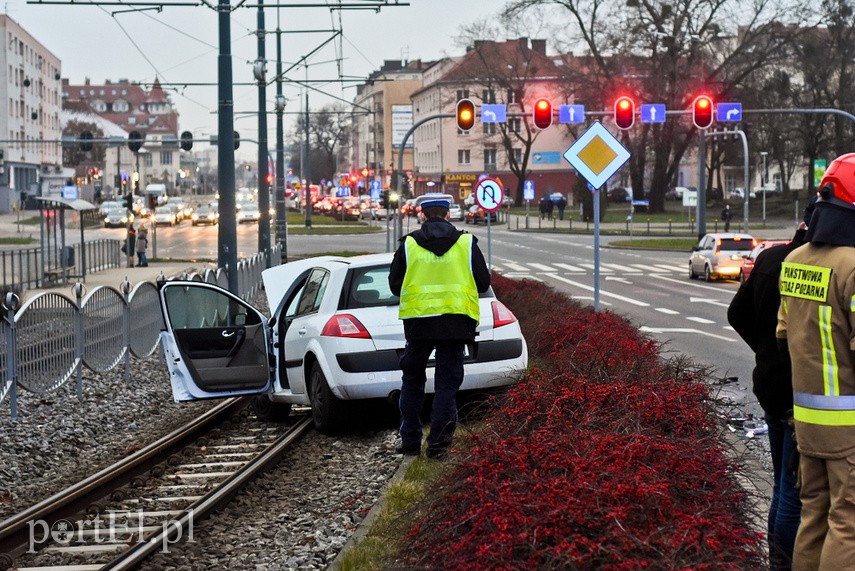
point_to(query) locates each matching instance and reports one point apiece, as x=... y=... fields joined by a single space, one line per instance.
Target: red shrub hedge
x=600 y=458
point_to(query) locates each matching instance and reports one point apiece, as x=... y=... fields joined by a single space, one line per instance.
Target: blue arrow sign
x=494 y=113
x=571 y=113
x=653 y=113
x=375 y=189
x=528 y=190
x=728 y=112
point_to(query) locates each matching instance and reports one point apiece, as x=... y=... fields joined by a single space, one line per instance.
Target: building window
x=517 y=154
x=463 y=156
x=512 y=97
x=147 y=160
x=490 y=158
x=488 y=96
x=166 y=157
x=514 y=124
x=462 y=94
x=489 y=128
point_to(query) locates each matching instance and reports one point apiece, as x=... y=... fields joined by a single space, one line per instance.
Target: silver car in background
x=720 y=255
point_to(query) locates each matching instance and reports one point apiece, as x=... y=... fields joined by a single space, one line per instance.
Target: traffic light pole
x=399 y=223
x=742 y=136
x=227 y=226
x=263 y=188
x=701 y=208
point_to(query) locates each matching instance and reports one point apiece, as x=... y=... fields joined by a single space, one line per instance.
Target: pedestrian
x=753 y=314
x=142 y=246
x=129 y=247
x=545 y=206
x=727 y=216
x=561 y=204
x=549 y=208
x=816 y=324
x=438 y=272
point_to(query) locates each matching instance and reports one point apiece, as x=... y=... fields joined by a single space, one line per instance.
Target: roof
x=107 y=127
x=66 y=204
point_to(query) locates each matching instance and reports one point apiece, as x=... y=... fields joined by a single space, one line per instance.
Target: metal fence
x=46 y=342
x=31 y=268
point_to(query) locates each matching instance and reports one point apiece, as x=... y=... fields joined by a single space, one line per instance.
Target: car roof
x=731 y=235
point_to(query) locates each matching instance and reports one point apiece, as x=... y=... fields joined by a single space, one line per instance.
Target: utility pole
x=307 y=167
x=281 y=206
x=263 y=189
x=227 y=226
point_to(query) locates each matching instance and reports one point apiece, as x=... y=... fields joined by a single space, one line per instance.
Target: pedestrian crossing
x=531 y=269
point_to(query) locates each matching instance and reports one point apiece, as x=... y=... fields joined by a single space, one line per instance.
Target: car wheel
x=707 y=274
x=327 y=409
x=692 y=275
x=269 y=411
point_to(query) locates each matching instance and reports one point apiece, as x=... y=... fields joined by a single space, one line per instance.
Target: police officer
x=438 y=272
x=816 y=323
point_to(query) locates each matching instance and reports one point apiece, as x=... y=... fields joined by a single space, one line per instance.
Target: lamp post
x=260 y=73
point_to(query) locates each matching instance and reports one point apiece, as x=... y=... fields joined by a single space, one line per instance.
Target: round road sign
x=489 y=194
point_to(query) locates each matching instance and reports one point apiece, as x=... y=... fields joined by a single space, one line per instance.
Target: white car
x=165 y=215
x=334 y=336
x=456 y=213
x=248 y=212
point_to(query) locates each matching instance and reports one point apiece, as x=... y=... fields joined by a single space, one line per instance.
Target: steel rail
x=75 y=499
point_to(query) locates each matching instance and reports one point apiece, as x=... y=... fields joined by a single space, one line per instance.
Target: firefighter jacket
x=438 y=237
x=817 y=318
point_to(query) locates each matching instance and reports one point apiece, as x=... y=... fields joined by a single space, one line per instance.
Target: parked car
x=456 y=212
x=475 y=215
x=118 y=217
x=739 y=193
x=334 y=336
x=720 y=255
x=205 y=214
x=748 y=264
x=620 y=194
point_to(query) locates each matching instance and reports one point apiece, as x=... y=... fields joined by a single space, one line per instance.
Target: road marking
x=541 y=267
x=515 y=267
x=700 y=320
x=668 y=268
x=587 y=298
x=617 y=279
x=667 y=311
x=621 y=268
x=602 y=269
x=520 y=275
x=685 y=282
x=569 y=267
x=645 y=329
x=602 y=293
x=709 y=301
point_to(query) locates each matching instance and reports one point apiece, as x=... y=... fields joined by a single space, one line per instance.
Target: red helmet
x=838 y=183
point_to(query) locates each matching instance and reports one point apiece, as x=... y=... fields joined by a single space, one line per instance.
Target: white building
x=30 y=105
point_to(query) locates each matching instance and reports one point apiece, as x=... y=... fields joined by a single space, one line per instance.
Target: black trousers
x=448 y=376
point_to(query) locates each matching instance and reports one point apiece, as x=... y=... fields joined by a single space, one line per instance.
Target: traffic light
x=542 y=113
x=237 y=140
x=186 y=141
x=135 y=141
x=465 y=114
x=624 y=112
x=702 y=111
x=129 y=202
x=85 y=141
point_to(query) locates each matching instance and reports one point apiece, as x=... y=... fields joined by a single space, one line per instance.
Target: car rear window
x=369 y=287
x=731 y=244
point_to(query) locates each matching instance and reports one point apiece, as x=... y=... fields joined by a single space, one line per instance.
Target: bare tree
x=329 y=130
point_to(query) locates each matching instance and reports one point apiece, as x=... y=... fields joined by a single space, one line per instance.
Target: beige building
x=30 y=105
x=382 y=114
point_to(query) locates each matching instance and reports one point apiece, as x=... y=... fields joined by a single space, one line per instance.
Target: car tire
x=269 y=411
x=708 y=277
x=692 y=275
x=327 y=409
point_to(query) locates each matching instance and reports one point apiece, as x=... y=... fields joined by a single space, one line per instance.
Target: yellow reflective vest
x=439 y=285
x=817 y=317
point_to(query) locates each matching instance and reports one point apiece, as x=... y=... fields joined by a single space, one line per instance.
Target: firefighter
x=816 y=324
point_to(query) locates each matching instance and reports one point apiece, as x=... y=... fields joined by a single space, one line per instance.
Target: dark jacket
x=753 y=314
x=438 y=236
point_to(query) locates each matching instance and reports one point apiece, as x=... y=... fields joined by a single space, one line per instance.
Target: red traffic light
x=624 y=112
x=542 y=113
x=465 y=114
x=702 y=111
x=364 y=172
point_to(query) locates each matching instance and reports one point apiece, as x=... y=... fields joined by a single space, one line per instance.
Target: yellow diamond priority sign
x=597 y=155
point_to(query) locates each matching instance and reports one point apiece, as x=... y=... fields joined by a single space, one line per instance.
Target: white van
x=158 y=191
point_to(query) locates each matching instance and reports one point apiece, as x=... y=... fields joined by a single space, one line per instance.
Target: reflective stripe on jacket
x=816 y=317
x=439 y=285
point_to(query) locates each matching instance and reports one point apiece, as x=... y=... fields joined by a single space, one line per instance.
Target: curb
x=368 y=522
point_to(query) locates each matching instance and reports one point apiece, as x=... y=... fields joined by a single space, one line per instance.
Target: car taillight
x=345 y=325
x=501 y=314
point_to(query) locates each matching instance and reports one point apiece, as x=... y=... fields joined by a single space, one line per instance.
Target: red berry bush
x=602 y=457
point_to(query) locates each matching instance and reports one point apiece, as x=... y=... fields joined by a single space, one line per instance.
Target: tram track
x=140 y=505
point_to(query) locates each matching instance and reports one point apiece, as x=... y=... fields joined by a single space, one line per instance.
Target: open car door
x=216 y=344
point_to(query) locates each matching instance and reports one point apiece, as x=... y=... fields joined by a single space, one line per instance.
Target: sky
x=180 y=46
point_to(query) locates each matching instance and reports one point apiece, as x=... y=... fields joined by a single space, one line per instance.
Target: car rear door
x=216 y=344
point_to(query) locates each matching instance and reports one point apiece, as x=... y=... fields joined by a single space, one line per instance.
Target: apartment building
x=30 y=125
